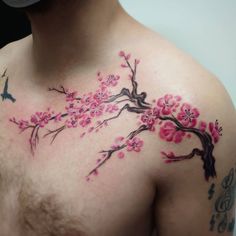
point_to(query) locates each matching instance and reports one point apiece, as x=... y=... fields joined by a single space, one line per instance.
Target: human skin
x=55 y=189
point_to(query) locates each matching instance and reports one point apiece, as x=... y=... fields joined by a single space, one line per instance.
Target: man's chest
x=80 y=158
x=69 y=187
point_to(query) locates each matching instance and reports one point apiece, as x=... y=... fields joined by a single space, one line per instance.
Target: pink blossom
x=216 y=130
x=127 y=57
x=134 y=144
x=86 y=120
x=123 y=65
x=23 y=124
x=188 y=115
x=203 y=126
x=34 y=119
x=121 y=155
x=72 y=122
x=119 y=139
x=71 y=109
x=166 y=104
x=58 y=117
x=121 y=53
x=41 y=118
x=111 y=80
x=170 y=133
x=169 y=157
x=178 y=98
x=150 y=116
x=71 y=96
x=96 y=109
x=87 y=99
x=74 y=110
x=81 y=110
x=118 y=142
x=101 y=95
x=111 y=108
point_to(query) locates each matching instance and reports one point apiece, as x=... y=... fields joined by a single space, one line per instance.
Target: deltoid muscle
x=170 y=117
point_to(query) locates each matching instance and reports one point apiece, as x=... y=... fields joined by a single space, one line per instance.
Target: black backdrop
x=13 y=25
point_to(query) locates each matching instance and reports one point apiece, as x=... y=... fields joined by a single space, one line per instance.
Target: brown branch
x=55 y=133
x=63 y=91
x=207 y=146
x=136 y=132
x=124 y=100
x=4 y=73
x=125 y=107
x=109 y=154
x=137 y=99
x=173 y=158
x=34 y=138
x=112 y=151
x=123 y=92
x=63 y=115
x=113 y=117
x=133 y=78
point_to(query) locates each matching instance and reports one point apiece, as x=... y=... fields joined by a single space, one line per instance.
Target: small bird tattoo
x=4 y=74
x=6 y=95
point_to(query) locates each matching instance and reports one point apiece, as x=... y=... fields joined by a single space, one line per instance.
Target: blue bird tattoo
x=5 y=94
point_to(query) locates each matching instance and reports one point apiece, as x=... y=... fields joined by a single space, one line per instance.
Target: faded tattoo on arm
x=222 y=220
x=173 y=119
x=5 y=93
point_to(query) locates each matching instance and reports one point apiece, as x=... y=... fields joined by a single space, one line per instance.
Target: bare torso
x=55 y=190
x=47 y=192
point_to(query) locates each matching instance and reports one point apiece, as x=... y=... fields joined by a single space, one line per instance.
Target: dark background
x=13 y=25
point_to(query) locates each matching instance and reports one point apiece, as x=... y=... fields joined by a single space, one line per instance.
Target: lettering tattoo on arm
x=221 y=219
x=173 y=119
x=5 y=93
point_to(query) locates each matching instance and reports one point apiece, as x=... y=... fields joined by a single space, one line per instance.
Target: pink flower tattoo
x=169 y=133
x=216 y=130
x=188 y=115
x=169 y=117
x=134 y=144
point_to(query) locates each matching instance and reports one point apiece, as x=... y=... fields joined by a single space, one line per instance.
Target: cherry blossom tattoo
x=173 y=119
x=5 y=94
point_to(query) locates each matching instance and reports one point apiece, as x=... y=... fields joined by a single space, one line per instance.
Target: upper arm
x=196 y=181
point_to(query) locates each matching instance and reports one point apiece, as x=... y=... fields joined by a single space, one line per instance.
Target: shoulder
x=165 y=69
x=10 y=55
x=182 y=88
x=5 y=54
x=192 y=157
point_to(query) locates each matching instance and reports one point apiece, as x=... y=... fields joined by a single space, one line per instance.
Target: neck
x=72 y=34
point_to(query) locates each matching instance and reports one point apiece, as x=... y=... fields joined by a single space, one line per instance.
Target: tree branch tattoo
x=176 y=119
x=223 y=207
x=5 y=94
